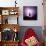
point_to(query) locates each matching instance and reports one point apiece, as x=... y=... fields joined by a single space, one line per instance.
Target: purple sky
x=30 y=10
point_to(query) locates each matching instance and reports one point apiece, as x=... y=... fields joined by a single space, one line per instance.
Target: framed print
x=29 y=12
x=9 y=19
x=5 y=19
x=7 y=34
x=5 y=12
x=11 y=12
x=12 y=20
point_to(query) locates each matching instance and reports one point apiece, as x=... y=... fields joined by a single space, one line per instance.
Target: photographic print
x=9 y=20
x=29 y=12
x=5 y=12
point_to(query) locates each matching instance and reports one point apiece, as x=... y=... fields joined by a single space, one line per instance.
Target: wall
x=22 y=3
x=45 y=13
x=45 y=22
x=38 y=22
